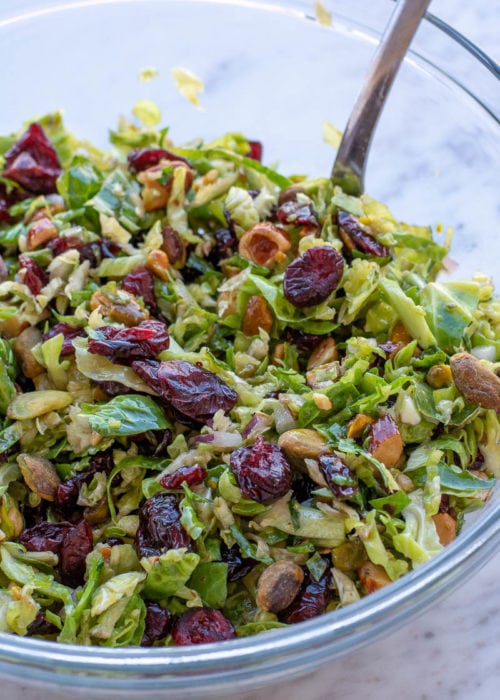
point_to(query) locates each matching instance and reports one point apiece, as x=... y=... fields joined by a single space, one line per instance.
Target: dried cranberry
x=160 y=526
x=226 y=244
x=311 y=278
x=193 y=391
x=153 y=444
x=69 y=333
x=303 y=487
x=296 y=213
x=157 y=623
x=262 y=471
x=32 y=162
x=140 y=283
x=255 y=151
x=60 y=245
x=140 y=159
x=41 y=626
x=148 y=371
x=141 y=342
x=45 y=537
x=304 y=342
x=7 y=199
x=237 y=566
x=310 y=601
x=338 y=476
x=173 y=246
x=202 y=626
x=68 y=491
x=190 y=475
x=115 y=388
x=355 y=237
x=74 y=549
x=31 y=274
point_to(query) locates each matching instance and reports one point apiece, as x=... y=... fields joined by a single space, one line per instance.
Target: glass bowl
x=273 y=72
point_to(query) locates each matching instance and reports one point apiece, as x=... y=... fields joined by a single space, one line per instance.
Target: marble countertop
x=453 y=649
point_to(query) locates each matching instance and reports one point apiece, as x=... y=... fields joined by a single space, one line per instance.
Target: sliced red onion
x=258 y=424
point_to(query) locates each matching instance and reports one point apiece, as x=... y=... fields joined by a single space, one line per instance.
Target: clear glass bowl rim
x=288 y=651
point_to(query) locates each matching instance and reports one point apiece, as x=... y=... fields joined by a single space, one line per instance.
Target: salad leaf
x=125 y=415
x=166 y=575
x=209 y=579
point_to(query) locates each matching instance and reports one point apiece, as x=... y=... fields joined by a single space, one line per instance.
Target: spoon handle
x=349 y=167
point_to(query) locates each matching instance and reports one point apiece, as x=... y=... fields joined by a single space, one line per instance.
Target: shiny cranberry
x=356 y=238
x=191 y=476
x=158 y=623
x=338 y=476
x=123 y=345
x=160 y=526
x=226 y=244
x=140 y=283
x=193 y=391
x=45 y=537
x=304 y=342
x=32 y=162
x=237 y=566
x=68 y=491
x=31 y=274
x=262 y=471
x=311 y=279
x=69 y=333
x=255 y=151
x=143 y=158
x=74 y=549
x=310 y=601
x=41 y=626
x=202 y=626
x=297 y=214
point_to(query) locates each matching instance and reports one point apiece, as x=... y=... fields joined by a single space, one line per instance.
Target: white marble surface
x=451 y=651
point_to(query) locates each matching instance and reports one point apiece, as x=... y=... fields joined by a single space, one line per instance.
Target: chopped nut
x=477 y=384
x=399 y=334
x=122 y=307
x=22 y=347
x=386 y=443
x=36 y=403
x=156 y=191
x=12 y=326
x=278 y=585
x=278 y=354
x=40 y=232
x=97 y=514
x=321 y=401
x=446 y=527
x=39 y=475
x=262 y=243
x=439 y=376
x=290 y=194
x=325 y=353
x=323 y=376
x=357 y=425
x=373 y=576
x=157 y=263
x=302 y=443
x=257 y=315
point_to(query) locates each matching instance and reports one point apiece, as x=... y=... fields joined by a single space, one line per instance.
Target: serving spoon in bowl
x=350 y=164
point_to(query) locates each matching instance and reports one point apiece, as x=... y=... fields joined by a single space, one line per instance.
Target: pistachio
x=278 y=585
x=372 y=576
x=323 y=376
x=358 y=424
x=122 y=307
x=257 y=315
x=439 y=376
x=22 y=347
x=323 y=354
x=36 y=403
x=39 y=475
x=302 y=443
x=98 y=513
x=477 y=384
x=399 y=334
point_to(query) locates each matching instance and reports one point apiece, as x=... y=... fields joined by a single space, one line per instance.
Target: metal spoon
x=349 y=167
